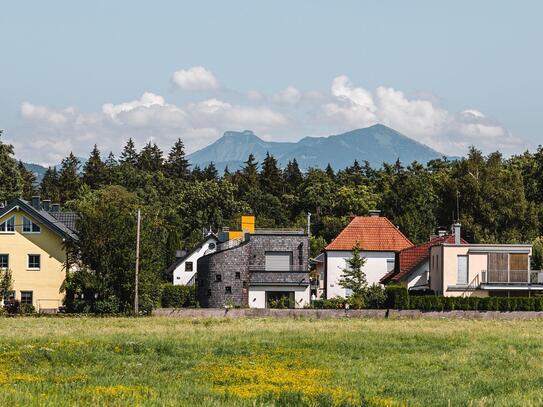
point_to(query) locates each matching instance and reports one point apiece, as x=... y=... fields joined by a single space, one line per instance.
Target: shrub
x=504 y=304
x=397 y=297
x=178 y=296
x=375 y=297
x=25 y=309
x=108 y=305
x=332 y=303
x=12 y=307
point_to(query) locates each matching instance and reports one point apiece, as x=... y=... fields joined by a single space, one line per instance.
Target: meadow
x=269 y=362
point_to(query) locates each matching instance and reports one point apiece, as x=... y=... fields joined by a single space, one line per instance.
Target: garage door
x=278 y=261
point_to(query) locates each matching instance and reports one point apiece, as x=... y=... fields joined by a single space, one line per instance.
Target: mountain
x=39 y=170
x=376 y=144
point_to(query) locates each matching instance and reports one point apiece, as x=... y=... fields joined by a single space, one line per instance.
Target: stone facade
x=225 y=277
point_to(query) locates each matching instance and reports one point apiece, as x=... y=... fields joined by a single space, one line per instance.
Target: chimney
x=441 y=232
x=180 y=253
x=35 y=202
x=375 y=213
x=456 y=231
x=46 y=204
x=55 y=207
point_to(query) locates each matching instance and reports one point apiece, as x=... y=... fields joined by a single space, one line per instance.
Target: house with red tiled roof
x=413 y=267
x=380 y=242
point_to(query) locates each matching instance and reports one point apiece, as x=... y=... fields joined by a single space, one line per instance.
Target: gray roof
x=47 y=218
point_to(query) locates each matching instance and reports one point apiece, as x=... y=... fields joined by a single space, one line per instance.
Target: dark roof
x=412 y=257
x=67 y=218
x=180 y=260
x=43 y=217
x=372 y=233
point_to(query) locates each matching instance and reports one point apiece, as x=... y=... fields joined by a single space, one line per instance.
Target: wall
x=46 y=282
x=418 y=277
x=375 y=268
x=182 y=277
x=257 y=295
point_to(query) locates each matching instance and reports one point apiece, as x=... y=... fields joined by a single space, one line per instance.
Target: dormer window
x=29 y=226
x=8 y=225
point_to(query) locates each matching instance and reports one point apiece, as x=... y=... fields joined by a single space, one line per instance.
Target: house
x=462 y=269
x=413 y=268
x=380 y=242
x=32 y=245
x=184 y=269
x=257 y=269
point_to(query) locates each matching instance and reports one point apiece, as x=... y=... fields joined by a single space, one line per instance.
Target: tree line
x=500 y=200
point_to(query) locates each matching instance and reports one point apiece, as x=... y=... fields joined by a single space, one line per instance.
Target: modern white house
x=461 y=269
x=186 y=265
x=380 y=242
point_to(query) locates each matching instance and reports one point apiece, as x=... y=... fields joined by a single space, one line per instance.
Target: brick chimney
x=375 y=213
x=35 y=202
x=456 y=231
x=46 y=205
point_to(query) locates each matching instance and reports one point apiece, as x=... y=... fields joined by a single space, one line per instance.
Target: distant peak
x=244 y=133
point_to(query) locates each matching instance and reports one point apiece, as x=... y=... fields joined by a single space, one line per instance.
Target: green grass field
x=246 y=362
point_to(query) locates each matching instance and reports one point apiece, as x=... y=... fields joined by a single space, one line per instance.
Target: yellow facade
x=45 y=283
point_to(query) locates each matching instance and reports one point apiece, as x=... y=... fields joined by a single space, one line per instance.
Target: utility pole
x=308 y=224
x=136 y=281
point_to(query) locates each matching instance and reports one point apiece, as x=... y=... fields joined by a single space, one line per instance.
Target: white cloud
x=196 y=78
x=50 y=134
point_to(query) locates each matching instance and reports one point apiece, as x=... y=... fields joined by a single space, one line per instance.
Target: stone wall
x=334 y=314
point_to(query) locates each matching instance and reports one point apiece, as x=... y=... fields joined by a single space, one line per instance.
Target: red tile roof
x=372 y=233
x=412 y=257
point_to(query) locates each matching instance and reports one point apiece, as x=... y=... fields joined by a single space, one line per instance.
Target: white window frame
x=31 y=297
x=5 y=267
x=28 y=262
x=458 y=269
x=32 y=225
x=12 y=219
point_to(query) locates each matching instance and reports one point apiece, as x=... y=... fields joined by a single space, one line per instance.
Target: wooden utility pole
x=136 y=276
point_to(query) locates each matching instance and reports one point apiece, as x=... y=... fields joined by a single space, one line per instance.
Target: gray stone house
x=257 y=271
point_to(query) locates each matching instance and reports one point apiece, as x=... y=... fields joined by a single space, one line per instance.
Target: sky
x=449 y=74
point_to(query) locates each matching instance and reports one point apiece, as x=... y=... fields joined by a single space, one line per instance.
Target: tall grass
x=246 y=362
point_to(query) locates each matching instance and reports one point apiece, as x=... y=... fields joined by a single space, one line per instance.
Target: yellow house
x=32 y=245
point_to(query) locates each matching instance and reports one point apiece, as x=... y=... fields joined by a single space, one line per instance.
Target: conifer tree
x=68 y=178
x=330 y=172
x=293 y=176
x=110 y=169
x=210 y=172
x=129 y=155
x=150 y=158
x=196 y=173
x=49 y=185
x=249 y=176
x=270 y=176
x=354 y=278
x=177 y=166
x=10 y=178
x=227 y=176
x=94 y=172
x=28 y=182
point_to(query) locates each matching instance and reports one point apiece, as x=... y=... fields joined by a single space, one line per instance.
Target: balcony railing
x=279 y=231
x=534 y=277
x=293 y=268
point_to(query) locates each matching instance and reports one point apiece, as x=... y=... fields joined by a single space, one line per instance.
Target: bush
x=332 y=303
x=107 y=306
x=25 y=309
x=504 y=304
x=375 y=297
x=178 y=296
x=12 y=307
x=397 y=297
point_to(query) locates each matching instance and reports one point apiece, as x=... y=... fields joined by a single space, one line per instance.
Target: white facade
x=257 y=295
x=186 y=269
x=418 y=278
x=376 y=266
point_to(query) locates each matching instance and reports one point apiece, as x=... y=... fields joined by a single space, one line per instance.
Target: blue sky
x=448 y=74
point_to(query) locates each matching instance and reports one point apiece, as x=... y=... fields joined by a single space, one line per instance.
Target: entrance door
x=280 y=299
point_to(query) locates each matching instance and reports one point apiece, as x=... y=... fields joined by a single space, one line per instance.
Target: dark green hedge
x=397 y=297
x=178 y=296
x=435 y=303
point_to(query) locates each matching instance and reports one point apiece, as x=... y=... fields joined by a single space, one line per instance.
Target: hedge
x=178 y=296
x=436 y=303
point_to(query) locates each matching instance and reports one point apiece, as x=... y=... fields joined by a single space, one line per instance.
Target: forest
x=496 y=199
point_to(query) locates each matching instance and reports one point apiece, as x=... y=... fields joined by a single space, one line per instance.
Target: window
x=218 y=278
x=278 y=261
x=188 y=266
x=33 y=261
x=8 y=225
x=29 y=226
x=4 y=261
x=212 y=246
x=228 y=290
x=26 y=297
x=238 y=275
x=209 y=292
x=245 y=284
x=462 y=270
x=390 y=265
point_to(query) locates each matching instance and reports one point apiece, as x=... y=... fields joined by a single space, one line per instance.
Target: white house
x=185 y=267
x=380 y=242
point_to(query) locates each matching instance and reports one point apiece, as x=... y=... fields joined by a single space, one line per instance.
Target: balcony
x=512 y=277
x=293 y=275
